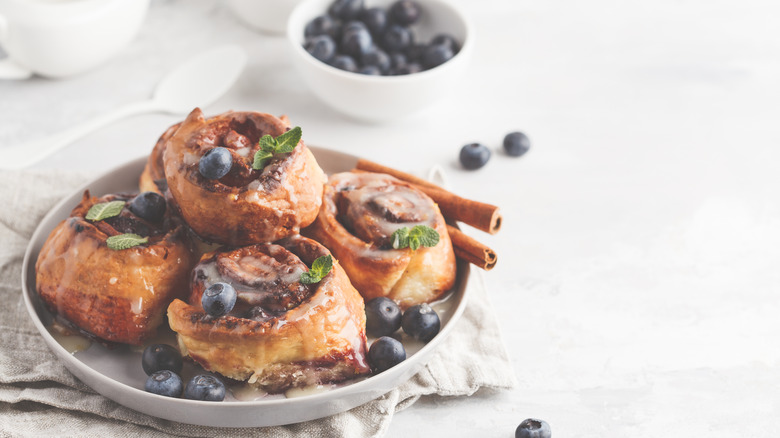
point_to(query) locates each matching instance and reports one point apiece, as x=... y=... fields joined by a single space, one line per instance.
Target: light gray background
x=637 y=277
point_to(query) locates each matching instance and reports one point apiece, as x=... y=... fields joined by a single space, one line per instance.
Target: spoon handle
x=26 y=154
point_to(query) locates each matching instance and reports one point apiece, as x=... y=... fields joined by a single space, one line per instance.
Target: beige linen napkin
x=39 y=396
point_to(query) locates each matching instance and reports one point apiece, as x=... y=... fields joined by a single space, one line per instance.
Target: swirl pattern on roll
x=113 y=295
x=281 y=333
x=246 y=205
x=359 y=214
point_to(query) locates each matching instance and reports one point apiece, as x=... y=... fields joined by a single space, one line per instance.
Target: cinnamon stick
x=480 y=215
x=468 y=249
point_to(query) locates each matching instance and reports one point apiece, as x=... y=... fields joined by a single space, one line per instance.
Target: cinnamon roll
x=244 y=205
x=281 y=333
x=117 y=295
x=153 y=176
x=359 y=214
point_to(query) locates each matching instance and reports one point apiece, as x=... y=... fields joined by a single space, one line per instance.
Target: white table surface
x=637 y=284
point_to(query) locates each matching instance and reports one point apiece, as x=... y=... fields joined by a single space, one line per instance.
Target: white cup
x=59 y=38
x=269 y=16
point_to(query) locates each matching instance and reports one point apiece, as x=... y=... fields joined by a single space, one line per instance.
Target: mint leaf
x=270 y=146
x=419 y=235
x=400 y=238
x=104 y=210
x=319 y=269
x=262 y=158
x=125 y=241
x=287 y=141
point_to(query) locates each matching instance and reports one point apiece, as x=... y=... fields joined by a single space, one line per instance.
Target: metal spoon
x=197 y=82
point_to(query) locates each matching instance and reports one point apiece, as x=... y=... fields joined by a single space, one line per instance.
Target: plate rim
x=331 y=402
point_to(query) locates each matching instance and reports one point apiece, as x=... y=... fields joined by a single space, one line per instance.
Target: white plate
x=117 y=373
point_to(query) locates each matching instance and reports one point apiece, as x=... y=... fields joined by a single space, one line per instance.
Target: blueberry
x=321 y=47
x=404 y=12
x=383 y=317
x=533 y=428
x=436 y=55
x=344 y=62
x=355 y=42
x=370 y=70
x=397 y=60
x=216 y=163
x=415 y=52
x=205 y=387
x=397 y=38
x=385 y=353
x=218 y=299
x=346 y=9
x=375 y=19
x=408 y=69
x=165 y=383
x=421 y=322
x=322 y=25
x=376 y=57
x=149 y=206
x=354 y=25
x=516 y=144
x=474 y=155
x=447 y=40
x=160 y=357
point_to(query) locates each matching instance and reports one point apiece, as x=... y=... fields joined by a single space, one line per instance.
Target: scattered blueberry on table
x=385 y=353
x=533 y=428
x=421 y=322
x=205 y=387
x=377 y=41
x=218 y=299
x=215 y=163
x=516 y=144
x=383 y=317
x=159 y=357
x=165 y=383
x=474 y=155
x=149 y=206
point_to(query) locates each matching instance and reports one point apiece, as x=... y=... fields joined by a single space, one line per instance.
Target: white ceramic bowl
x=383 y=98
x=268 y=16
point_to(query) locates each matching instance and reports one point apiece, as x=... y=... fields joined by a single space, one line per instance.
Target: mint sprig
x=419 y=235
x=319 y=269
x=104 y=210
x=270 y=146
x=125 y=241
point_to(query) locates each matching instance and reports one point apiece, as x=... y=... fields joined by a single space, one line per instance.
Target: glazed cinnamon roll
x=360 y=213
x=120 y=294
x=245 y=205
x=281 y=333
x=153 y=176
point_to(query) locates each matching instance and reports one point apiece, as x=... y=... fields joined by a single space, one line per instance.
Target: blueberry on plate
x=377 y=57
x=355 y=41
x=375 y=19
x=516 y=144
x=385 y=353
x=397 y=38
x=447 y=40
x=533 y=428
x=383 y=317
x=218 y=299
x=436 y=55
x=408 y=69
x=205 y=387
x=160 y=357
x=165 y=383
x=322 y=25
x=421 y=322
x=344 y=62
x=404 y=12
x=474 y=155
x=216 y=163
x=370 y=70
x=321 y=47
x=149 y=206
x=346 y=9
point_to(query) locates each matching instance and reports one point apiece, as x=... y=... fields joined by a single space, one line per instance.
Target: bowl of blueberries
x=379 y=60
